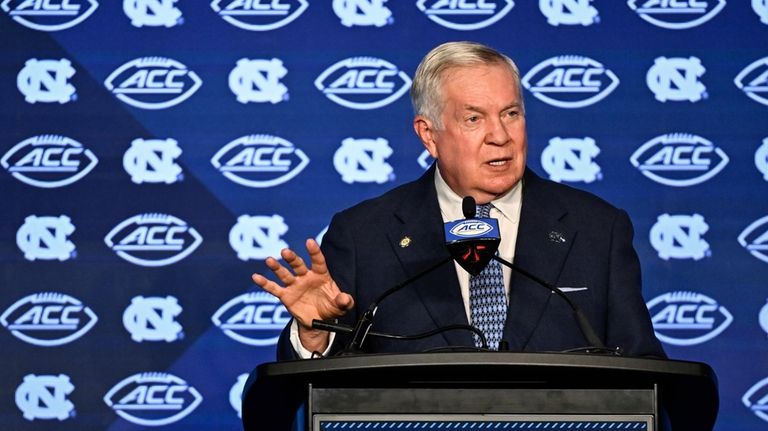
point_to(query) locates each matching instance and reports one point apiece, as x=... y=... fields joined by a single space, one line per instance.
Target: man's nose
x=497 y=133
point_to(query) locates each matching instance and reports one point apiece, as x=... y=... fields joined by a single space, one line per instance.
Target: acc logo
x=676 y=79
x=362 y=12
x=471 y=228
x=153 y=239
x=363 y=161
x=152 y=319
x=46 y=238
x=152 y=13
x=761 y=159
x=753 y=81
x=48 y=319
x=569 y=12
x=258 y=81
x=571 y=159
x=49 y=161
x=687 y=318
x=756 y=399
x=676 y=14
x=49 y=15
x=570 y=81
x=45 y=397
x=255 y=160
x=253 y=318
x=257 y=16
x=363 y=83
x=153 y=161
x=465 y=14
x=153 y=83
x=236 y=394
x=258 y=237
x=425 y=160
x=679 y=159
x=46 y=81
x=153 y=399
x=755 y=239
x=761 y=9
x=679 y=237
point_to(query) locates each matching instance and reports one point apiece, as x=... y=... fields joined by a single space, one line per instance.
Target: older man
x=471 y=118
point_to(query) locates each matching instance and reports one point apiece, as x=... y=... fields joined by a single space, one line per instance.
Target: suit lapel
x=419 y=220
x=543 y=242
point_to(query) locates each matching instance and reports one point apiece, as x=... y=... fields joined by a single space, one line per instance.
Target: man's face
x=482 y=145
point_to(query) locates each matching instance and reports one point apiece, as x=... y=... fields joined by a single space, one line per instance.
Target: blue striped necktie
x=487 y=298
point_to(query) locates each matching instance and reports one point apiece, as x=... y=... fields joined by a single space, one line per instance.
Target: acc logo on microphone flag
x=153 y=399
x=260 y=161
x=756 y=399
x=676 y=79
x=676 y=15
x=570 y=81
x=153 y=82
x=679 y=159
x=49 y=161
x=687 y=318
x=755 y=239
x=45 y=397
x=363 y=83
x=569 y=12
x=46 y=81
x=153 y=239
x=471 y=228
x=253 y=318
x=753 y=81
x=48 y=319
x=362 y=12
x=679 y=237
x=152 y=13
x=465 y=14
x=49 y=15
x=259 y=15
x=571 y=159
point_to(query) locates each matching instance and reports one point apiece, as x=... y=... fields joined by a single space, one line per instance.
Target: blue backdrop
x=154 y=152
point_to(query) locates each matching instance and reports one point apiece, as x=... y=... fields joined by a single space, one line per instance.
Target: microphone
x=470 y=242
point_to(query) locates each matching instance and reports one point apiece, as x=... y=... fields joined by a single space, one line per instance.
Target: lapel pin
x=405 y=242
x=556 y=236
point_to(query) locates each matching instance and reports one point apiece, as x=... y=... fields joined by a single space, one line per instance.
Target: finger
x=344 y=301
x=268 y=285
x=297 y=263
x=316 y=256
x=280 y=271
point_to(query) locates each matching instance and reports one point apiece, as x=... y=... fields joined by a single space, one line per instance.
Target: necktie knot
x=484 y=210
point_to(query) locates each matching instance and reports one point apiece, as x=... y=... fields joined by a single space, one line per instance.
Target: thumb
x=344 y=301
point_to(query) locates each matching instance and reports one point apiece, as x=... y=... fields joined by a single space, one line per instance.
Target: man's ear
x=426 y=132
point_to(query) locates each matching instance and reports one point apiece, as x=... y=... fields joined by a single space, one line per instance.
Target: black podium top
x=688 y=390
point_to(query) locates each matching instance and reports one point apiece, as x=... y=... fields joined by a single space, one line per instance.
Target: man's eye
x=473 y=119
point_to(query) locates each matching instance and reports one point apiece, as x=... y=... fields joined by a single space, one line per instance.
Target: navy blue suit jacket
x=365 y=257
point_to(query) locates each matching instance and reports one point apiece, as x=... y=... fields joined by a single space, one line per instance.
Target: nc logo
x=153 y=83
x=48 y=319
x=679 y=159
x=152 y=319
x=756 y=399
x=259 y=15
x=676 y=14
x=253 y=318
x=152 y=13
x=679 y=237
x=425 y=160
x=465 y=14
x=46 y=238
x=570 y=81
x=258 y=81
x=569 y=12
x=687 y=318
x=49 y=15
x=676 y=79
x=46 y=81
x=764 y=318
x=260 y=161
x=153 y=399
x=153 y=239
x=363 y=161
x=45 y=397
x=571 y=159
x=755 y=239
x=363 y=83
x=362 y=12
x=236 y=394
x=153 y=161
x=753 y=81
x=761 y=9
x=49 y=161
x=258 y=237
x=761 y=159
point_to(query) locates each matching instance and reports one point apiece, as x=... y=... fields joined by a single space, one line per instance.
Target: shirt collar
x=507 y=206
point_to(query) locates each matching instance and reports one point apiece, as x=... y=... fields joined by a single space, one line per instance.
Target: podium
x=473 y=390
